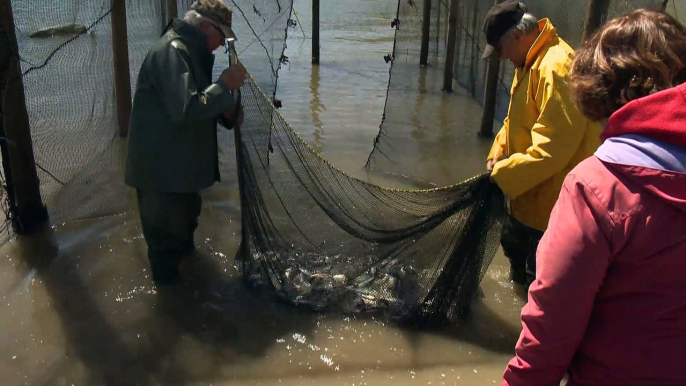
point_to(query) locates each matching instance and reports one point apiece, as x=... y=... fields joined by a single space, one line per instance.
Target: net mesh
x=331 y=242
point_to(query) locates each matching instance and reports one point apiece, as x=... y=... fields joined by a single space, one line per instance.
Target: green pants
x=169 y=221
x=520 y=243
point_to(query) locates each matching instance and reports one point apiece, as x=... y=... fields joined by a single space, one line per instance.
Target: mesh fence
x=392 y=151
x=422 y=125
x=470 y=70
x=68 y=80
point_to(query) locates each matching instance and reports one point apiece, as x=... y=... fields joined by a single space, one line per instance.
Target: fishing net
x=332 y=242
x=319 y=237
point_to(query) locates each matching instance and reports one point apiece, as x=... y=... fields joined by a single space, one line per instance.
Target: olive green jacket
x=172 y=145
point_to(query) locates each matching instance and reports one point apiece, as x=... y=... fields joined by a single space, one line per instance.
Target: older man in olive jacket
x=172 y=146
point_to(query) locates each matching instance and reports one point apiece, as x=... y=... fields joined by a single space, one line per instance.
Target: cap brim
x=228 y=32
x=488 y=52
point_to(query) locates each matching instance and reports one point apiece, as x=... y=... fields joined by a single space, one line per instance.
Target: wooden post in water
x=21 y=178
x=663 y=7
x=315 y=31
x=122 y=77
x=595 y=16
x=426 y=30
x=490 y=94
x=490 y=97
x=172 y=10
x=450 y=54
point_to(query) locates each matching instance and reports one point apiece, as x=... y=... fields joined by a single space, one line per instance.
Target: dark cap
x=500 y=19
x=218 y=12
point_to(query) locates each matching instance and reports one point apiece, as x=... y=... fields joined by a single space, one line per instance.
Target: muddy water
x=79 y=308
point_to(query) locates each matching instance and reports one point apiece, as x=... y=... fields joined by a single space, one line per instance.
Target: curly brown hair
x=628 y=58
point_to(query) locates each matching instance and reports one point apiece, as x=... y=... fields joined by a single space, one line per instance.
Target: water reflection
x=94 y=317
x=316 y=107
x=66 y=300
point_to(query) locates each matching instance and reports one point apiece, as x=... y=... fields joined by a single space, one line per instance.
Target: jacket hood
x=646 y=141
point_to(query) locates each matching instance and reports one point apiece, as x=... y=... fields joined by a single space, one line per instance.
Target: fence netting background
x=68 y=80
x=314 y=234
x=393 y=150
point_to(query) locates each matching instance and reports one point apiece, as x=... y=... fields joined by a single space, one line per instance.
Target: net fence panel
x=393 y=144
x=421 y=123
x=69 y=77
x=69 y=80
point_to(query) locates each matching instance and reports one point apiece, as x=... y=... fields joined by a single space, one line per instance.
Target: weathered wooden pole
x=450 y=55
x=596 y=14
x=490 y=97
x=663 y=7
x=21 y=175
x=172 y=10
x=426 y=30
x=490 y=94
x=122 y=77
x=315 y=31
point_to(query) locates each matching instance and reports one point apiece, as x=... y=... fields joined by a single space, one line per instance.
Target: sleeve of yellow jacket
x=556 y=137
x=500 y=142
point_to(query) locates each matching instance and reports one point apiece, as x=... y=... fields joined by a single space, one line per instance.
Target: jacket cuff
x=225 y=122
x=221 y=92
x=501 y=181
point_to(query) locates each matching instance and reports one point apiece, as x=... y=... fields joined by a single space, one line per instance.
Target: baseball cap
x=500 y=19
x=218 y=12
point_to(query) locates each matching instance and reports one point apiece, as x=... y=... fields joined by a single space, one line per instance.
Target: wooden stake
x=450 y=55
x=122 y=77
x=490 y=94
x=596 y=14
x=172 y=11
x=426 y=30
x=315 y=31
x=20 y=168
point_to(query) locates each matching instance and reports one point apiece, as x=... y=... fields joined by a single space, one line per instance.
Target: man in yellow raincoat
x=544 y=135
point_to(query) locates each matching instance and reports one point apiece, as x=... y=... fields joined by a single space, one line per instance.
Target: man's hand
x=229 y=115
x=233 y=77
x=490 y=164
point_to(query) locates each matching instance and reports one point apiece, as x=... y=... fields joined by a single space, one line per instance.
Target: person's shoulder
x=169 y=45
x=591 y=168
x=605 y=184
x=557 y=58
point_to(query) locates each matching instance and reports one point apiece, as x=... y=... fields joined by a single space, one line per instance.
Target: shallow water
x=79 y=307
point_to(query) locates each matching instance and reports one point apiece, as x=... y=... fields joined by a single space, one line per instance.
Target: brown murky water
x=79 y=307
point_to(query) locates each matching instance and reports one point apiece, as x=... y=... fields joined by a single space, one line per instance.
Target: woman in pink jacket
x=608 y=306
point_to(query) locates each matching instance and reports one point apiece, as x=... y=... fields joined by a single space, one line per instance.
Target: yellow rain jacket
x=544 y=135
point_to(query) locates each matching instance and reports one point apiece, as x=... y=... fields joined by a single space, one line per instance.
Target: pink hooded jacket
x=608 y=306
